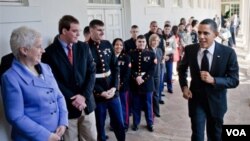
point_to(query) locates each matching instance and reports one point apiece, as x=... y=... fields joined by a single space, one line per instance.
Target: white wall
x=142 y=15
x=42 y=15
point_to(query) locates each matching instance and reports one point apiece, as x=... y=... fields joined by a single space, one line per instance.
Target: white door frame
x=107 y=7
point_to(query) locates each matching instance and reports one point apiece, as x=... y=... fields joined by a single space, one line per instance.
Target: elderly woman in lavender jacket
x=33 y=103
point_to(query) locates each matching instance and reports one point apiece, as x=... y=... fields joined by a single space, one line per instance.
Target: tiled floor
x=174 y=123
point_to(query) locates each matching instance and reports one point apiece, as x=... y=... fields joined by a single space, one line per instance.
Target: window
x=104 y=1
x=154 y=2
x=230 y=0
x=11 y=2
x=235 y=9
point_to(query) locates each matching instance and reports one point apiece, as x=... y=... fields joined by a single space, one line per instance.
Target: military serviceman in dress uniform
x=106 y=86
x=125 y=65
x=142 y=71
x=130 y=43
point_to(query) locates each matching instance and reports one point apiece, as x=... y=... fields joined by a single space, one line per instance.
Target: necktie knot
x=69 y=47
x=205 y=52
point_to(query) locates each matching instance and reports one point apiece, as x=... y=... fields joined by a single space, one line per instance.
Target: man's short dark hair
x=212 y=24
x=141 y=37
x=167 y=25
x=95 y=22
x=194 y=23
x=153 y=22
x=65 y=22
x=134 y=26
x=86 y=30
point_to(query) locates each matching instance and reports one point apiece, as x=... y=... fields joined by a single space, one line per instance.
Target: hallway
x=174 y=123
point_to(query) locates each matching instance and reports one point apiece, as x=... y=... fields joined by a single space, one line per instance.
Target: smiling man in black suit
x=213 y=69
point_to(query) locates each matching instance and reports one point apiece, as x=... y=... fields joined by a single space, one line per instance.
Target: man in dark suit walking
x=72 y=64
x=213 y=68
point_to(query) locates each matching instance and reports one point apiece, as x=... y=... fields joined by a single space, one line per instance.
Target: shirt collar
x=63 y=43
x=210 y=49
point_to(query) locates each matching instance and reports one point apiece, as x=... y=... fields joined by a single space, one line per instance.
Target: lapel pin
x=218 y=56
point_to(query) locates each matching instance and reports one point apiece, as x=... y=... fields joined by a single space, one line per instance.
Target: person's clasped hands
x=58 y=135
x=79 y=102
x=109 y=93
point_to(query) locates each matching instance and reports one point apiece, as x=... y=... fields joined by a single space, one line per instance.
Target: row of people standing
x=165 y=47
x=49 y=99
x=164 y=52
x=87 y=75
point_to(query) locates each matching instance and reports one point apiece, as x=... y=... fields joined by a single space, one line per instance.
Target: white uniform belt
x=103 y=75
x=140 y=73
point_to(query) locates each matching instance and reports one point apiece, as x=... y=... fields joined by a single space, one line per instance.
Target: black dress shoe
x=161 y=102
x=157 y=115
x=111 y=128
x=170 y=91
x=150 y=128
x=162 y=94
x=135 y=128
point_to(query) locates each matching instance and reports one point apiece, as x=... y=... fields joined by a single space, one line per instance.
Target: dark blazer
x=72 y=80
x=157 y=73
x=225 y=71
x=129 y=45
x=6 y=62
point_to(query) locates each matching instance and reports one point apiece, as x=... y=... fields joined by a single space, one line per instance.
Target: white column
x=247 y=25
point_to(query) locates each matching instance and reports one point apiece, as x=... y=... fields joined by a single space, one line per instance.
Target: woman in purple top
x=33 y=103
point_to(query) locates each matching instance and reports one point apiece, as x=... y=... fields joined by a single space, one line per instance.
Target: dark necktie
x=70 y=54
x=204 y=61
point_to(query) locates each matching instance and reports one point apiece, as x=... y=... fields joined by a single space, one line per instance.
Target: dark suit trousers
x=156 y=98
x=201 y=117
x=169 y=74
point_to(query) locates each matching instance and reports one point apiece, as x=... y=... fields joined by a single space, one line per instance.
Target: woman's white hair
x=23 y=37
